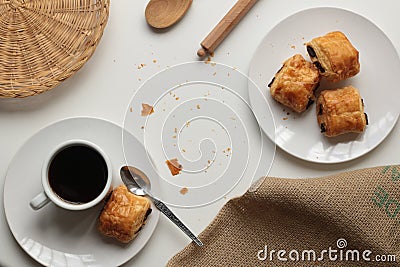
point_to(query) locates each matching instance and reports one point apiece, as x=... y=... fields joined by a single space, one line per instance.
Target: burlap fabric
x=349 y=219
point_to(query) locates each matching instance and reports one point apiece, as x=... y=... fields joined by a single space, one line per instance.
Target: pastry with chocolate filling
x=294 y=84
x=334 y=55
x=341 y=111
x=124 y=215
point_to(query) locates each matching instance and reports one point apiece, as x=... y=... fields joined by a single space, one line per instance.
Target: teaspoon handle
x=167 y=212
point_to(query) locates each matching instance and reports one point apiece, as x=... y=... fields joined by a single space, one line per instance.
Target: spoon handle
x=167 y=212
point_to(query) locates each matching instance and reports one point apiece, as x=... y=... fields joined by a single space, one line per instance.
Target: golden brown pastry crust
x=294 y=84
x=123 y=215
x=341 y=111
x=335 y=56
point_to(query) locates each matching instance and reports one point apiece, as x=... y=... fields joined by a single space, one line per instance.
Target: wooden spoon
x=161 y=14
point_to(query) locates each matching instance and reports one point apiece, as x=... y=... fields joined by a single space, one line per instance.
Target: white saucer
x=299 y=134
x=56 y=237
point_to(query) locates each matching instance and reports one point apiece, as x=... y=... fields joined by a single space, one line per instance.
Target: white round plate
x=299 y=134
x=56 y=237
x=202 y=118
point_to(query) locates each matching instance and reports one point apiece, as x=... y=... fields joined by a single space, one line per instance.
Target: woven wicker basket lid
x=43 y=42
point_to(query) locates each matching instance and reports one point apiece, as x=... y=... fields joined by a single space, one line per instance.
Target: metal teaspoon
x=139 y=184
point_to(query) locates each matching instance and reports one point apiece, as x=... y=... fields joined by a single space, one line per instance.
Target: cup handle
x=39 y=201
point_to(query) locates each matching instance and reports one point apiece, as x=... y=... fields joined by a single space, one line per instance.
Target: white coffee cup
x=76 y=175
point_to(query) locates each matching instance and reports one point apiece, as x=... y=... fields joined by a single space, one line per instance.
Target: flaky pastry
x=341 y=111
x=294 y=84
x=334 y=55
x=124 y=215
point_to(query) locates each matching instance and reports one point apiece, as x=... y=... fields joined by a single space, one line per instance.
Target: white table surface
x=104 y=86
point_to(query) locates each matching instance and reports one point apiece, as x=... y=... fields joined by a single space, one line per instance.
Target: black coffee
x=78 y=174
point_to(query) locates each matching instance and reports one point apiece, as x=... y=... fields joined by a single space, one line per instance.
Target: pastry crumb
x=174 y=166
x=285 y=118
x=209 y=61
x=184 y=190
x=227 y=151
x=142 y=65
x=147 y=109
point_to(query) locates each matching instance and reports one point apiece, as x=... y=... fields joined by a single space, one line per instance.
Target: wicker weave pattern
x=43 y=42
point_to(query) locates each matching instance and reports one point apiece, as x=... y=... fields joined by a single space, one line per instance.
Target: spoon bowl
x=136 y=180
x=138 y=183
x=161 y=14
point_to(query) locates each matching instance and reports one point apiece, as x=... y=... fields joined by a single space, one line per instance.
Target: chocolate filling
x=139 y=229
x=147 y=213
x=271 y=82
x=273 y=79
x=323 y=129
x=312 y=54
x=311 y=51
x=320 y=110
x=318 y=65
x=366 y=118
x=145 y=218
x=310 y=102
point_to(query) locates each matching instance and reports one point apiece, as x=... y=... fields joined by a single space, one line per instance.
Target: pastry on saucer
x=124 y=215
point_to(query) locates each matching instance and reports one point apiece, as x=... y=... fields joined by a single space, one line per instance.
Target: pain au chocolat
x=341 y=111
x=334 y=55
x=124 y=215
x=294 y=84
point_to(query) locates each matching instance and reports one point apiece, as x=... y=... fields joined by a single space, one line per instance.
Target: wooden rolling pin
x=225 y=26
